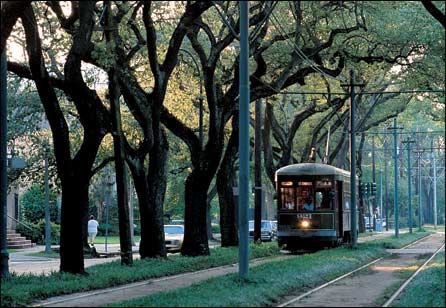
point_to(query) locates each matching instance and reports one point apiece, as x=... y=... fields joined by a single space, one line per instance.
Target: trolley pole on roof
x=244 y=142
x=353 y=212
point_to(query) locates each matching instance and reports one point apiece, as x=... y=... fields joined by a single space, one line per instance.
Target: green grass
x=267 y=283
x=52 y=254
x=112 y=239
x=427 y=289
x=429 y=227
x=22 y=290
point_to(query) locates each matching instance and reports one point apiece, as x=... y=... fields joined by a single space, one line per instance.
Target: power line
x=296 y=48
x=411 y=133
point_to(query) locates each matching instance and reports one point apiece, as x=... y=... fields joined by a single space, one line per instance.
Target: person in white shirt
x=92 y=230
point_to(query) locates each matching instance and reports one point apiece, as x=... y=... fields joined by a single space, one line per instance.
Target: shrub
x=36 y=232
x=32 y=204
x=32 y=232
x=55 y=232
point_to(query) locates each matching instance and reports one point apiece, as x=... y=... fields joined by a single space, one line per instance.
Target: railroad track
x=299 y=298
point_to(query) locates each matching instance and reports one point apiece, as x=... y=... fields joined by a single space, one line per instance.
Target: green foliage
x=36 y=232
x=31 y=232
x=32 y=204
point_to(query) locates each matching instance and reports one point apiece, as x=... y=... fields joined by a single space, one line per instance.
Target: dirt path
x=364 y=288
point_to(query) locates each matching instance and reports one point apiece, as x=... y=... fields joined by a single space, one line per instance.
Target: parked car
x=174 y=235
x=177 y=222
x=268 y=230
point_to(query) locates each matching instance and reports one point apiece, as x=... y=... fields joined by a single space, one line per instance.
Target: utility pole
x=408 y=142
x=435 y=183
x=420 y=211
x=353 y=218
x=395 y=175
x=3 y=170
x=131 y=208
x=385 y=181
x=244 y=141
x=374 y=181
x=258 y=172
x=47 y=202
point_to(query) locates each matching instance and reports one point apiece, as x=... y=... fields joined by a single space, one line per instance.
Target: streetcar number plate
x=303 y=215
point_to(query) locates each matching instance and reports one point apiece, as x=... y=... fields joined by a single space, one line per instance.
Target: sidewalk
x=20 y=262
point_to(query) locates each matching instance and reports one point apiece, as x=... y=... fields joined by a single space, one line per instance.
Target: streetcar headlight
x=305 y=224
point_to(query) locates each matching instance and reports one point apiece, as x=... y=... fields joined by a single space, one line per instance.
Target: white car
x=174 y=235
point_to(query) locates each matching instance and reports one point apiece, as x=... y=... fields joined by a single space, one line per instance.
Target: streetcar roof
x=311 y=169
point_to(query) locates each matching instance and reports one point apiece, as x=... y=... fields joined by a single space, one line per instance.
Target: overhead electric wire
x=296 y=48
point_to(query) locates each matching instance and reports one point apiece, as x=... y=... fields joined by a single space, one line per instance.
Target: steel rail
x=343 y=276
x=406 y=283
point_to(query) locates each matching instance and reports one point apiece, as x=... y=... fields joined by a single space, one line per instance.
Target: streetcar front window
x=287 y=194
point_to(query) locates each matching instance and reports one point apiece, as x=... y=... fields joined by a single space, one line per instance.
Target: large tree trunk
x=195 y=235
x=211 y=196
x=121 y=178
x=74 y=208
x=157 y=179
x=225 y=182
x=148 y=248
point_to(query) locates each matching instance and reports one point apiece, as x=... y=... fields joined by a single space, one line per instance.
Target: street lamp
x=200 y=98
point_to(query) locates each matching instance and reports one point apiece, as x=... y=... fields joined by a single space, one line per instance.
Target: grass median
x=21 y=290
x=427 y=289
x=269 y=282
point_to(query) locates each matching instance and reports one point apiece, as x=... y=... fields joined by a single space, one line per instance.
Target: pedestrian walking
x=92 y=230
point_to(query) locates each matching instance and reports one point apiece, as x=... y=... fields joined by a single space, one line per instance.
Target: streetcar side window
x=322 y=194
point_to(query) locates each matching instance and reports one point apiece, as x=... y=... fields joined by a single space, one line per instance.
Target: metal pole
x=258 y=172
x=374 y=181
x=244 y=142
x=409 y=191
x=3 y=170
x=381 y=199
x=435 y=187
x=395 y=176
x=131 y=214
x=107 y=204
x=420 y=208
x=385 y=185
x=47 y=205
x=352 y=160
